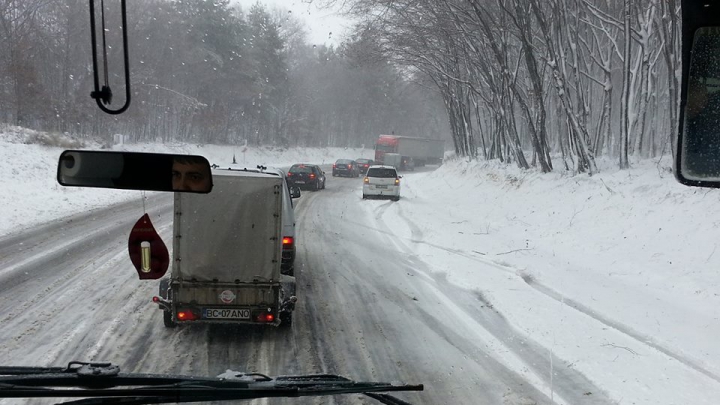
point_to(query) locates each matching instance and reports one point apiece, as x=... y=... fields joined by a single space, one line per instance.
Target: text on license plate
x=299 y=182
x=380 y=186
x=212 y=313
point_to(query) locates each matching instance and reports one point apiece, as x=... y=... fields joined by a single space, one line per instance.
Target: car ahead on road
x=407 y=163
x=346 y=167
x=382 y=181
x=306 y=176
x=364 y=164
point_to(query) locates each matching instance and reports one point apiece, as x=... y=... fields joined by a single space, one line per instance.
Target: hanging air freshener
x=148 y=252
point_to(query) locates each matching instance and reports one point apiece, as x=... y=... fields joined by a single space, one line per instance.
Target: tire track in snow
x=624 y=329
x=644 y=339
x=495 y=327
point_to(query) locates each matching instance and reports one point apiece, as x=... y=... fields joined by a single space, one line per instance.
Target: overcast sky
x=319 y=22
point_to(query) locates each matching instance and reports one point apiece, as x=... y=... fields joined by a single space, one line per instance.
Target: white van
x=382 y=181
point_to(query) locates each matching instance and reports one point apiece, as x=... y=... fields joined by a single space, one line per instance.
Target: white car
x=382 y=181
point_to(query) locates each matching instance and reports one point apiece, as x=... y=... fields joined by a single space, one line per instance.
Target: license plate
x=213 y=313
x=299 y=182
x=381 y=186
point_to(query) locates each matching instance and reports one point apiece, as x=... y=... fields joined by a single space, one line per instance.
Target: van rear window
x=382 y=172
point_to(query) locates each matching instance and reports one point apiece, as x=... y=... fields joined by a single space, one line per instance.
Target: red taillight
x=266 y=317
x=367 y=165
x=312 y=176
x=334 y=165
x=186 y=316
x=289 y=174
x=288 y=242
x=156 y=299
x=349 y=166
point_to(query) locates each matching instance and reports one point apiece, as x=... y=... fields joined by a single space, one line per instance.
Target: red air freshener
x=148 y=252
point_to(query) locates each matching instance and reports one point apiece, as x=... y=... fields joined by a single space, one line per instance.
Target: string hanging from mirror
x=103 y=96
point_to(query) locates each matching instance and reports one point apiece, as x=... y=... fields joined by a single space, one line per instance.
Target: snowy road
x=368 y=309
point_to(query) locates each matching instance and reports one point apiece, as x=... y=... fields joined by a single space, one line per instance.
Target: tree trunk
x=625 y=98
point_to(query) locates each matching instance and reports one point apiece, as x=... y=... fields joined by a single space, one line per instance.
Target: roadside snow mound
x=616 y=273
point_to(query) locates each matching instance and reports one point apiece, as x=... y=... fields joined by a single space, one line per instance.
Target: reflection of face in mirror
x=191 y=173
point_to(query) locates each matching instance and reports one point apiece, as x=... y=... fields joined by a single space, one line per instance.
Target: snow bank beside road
x=32 y=196
x=616 y=273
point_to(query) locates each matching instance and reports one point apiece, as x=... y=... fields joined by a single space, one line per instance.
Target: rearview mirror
x=698 y=153
x=294 y=192
x=135 y=171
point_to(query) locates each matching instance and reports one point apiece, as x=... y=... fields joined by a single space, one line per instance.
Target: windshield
x=526 y=245
x=385 y=148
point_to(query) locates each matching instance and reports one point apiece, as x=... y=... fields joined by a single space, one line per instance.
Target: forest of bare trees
x=204 y=72
x=542 y=82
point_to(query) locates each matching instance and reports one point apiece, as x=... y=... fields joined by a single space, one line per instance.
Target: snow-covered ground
x=616 y=274
x=33 y=196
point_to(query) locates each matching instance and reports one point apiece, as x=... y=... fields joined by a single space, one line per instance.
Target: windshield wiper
x=103 y=383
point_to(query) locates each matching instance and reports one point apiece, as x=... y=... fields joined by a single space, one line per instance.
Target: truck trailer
x=422 y=151
x=228 y=250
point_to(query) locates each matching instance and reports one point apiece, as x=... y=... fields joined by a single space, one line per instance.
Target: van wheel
x=165 y=293
x=396 y=198
x=286 y=319
x=167 y=320
x=364 y=197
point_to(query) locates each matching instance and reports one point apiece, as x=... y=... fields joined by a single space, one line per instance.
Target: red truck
x=422 y=151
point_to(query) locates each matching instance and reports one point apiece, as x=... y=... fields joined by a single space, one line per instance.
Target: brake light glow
x=156 y=299
x=334 y=165
x=367 y=165
x=288 y=242
x=312 y=176
x=349 y=166
x=186 y=316
x=289 y=174
x=265 y=317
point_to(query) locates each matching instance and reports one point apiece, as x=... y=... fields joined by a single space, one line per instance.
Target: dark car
x=306 y=176
x=364 y=164
x=346 y=167
x=407 y=163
